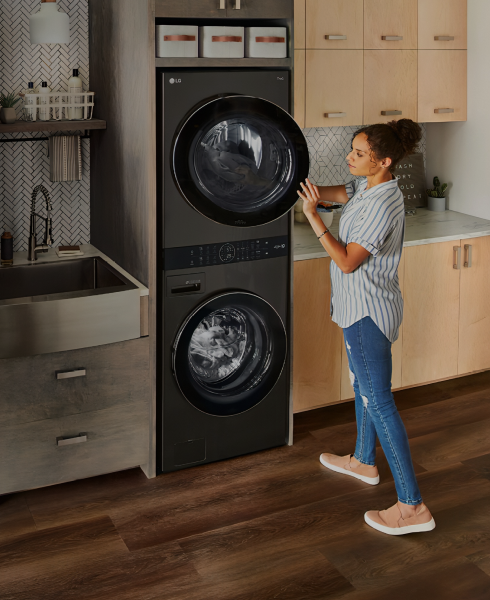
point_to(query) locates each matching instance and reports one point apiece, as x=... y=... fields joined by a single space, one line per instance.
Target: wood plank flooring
x=271 y=525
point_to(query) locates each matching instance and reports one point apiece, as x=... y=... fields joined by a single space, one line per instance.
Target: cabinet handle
x=237 y=5
x=71 y=374
x=334 y=115
x=335 y=37
x=391 y=112
x=457 y=257
x=222 y=4
x=440 y=111
x=68 y=441
x=444 y=38
x=468 y=255
x=392 y=38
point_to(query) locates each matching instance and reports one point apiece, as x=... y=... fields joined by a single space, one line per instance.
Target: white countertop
x=426 y=227
x=89 y=251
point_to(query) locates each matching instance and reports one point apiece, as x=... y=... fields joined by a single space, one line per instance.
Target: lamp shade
x=49 y=26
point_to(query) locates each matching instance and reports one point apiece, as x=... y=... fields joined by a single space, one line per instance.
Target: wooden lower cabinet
x=317 y=339
x=474 y=319
x=431 y=319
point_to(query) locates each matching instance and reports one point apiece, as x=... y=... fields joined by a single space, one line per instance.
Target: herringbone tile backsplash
x=23 y=165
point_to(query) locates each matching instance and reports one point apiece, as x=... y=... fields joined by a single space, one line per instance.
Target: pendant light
x=49 y=26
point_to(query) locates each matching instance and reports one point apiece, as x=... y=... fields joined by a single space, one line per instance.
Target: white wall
x=459 y=153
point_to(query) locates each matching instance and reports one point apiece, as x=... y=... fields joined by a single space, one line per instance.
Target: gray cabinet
x=75 y=414
x=198 y=9
x=233 y=9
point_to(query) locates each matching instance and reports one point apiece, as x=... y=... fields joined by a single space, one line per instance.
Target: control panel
x=210 y=255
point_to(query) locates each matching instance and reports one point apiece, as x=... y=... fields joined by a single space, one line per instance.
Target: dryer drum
x=239 y=160
x=229 y=353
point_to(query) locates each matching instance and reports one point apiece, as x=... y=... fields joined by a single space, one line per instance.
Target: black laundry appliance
x=231 y=159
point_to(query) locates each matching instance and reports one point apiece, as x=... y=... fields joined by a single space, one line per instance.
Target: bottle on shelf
x=44 y=113
x=7 y=249
x=75 y=86
x=30 y=102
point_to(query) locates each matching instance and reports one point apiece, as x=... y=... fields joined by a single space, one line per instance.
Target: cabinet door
x=431 y=314
x=390 y=85
x=299 y=87
x=299 y=23
x=334 y=19
x=441 y=20
x=442 y=90
x=474 y=320
x=333 y=88
x=346 y=390
x=390 y=19
x=190 y=8
x=258 y=9
x=316 y=338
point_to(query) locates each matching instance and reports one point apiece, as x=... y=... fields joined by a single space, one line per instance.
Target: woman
x=367 y=303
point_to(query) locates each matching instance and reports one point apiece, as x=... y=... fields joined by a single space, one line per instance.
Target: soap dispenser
x=30 y=101
x=44 y=113
x=75 y=86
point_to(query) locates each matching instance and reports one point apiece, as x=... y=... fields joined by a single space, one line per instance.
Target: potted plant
x=7 y=112
x=436 y=197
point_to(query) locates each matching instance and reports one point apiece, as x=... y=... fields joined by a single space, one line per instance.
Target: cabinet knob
x=335 y=37
x=444 y=38
x=457 y=257
x=392 y=38
x=468 y=255
x=69 y=441
x=440 y=111
x=338 y=115
x=386 y=113
x=71 y=374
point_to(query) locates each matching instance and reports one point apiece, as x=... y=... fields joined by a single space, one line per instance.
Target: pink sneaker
x=342 y=464
x=392 y=522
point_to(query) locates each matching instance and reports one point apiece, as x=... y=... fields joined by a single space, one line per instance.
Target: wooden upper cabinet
x=299 y=23
x=390 y=85
x=339 y=21
x=390 y=19
x=442 y=89
x=443 y=24
x=334 y=88
x=474 y=324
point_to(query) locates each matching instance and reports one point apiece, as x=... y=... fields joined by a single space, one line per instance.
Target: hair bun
x=409 y=133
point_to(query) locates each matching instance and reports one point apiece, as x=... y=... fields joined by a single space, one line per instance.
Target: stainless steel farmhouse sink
x=57 y=306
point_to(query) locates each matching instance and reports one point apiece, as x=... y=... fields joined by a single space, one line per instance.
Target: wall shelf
x=273 y=63
x=53 y=126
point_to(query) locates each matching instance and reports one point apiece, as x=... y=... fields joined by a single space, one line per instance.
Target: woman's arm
x=335 y=194
x=348 y=258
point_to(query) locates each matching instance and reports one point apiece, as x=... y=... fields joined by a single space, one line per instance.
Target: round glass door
x=239 y=160
x=229 y=354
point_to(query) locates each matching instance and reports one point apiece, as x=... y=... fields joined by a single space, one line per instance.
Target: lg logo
x=172 y=80
x=280 y=78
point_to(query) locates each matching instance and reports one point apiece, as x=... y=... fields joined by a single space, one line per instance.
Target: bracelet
x=326 y=231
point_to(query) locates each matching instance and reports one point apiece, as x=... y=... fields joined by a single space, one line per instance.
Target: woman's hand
x=310 y=196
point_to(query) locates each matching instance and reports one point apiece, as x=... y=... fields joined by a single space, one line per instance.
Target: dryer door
x=239 y=160
x=229 y=353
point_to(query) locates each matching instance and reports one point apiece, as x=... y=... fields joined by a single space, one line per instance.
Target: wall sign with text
x=411 y=180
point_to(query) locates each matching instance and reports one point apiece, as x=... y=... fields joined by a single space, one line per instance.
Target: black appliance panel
x=230 y=252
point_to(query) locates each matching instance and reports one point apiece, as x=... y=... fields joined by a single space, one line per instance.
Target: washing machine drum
x=229 y=353
x=239 y=160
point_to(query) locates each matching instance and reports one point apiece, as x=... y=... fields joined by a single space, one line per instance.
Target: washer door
x=239 y=160
x=229 y=353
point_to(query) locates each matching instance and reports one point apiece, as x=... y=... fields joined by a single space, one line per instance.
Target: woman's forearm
x=335 y=250
x=333 y=193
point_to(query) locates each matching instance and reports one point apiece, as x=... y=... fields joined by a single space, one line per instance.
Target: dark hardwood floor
x=272 y=525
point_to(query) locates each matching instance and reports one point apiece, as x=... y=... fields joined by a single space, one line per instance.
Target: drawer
x=114 y=374
x=116 y=439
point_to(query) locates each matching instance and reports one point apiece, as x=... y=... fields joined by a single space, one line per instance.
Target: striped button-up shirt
x=374 y=219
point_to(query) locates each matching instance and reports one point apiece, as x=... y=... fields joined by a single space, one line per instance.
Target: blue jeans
x=369 y=354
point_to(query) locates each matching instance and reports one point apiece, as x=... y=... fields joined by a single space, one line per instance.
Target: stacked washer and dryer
x=231 y=159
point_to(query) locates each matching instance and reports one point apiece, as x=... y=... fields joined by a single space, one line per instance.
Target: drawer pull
x=440 y=111
x=222 y=4
x=70 y=374
x=335 y=37
x=270 y=40
x=237 y=5
x=457 y=258
x=334 y=115
x=391 y=112
x=392 y=38
x=68 y=441
x=226 y=38
x=179 y=38
x=444 y=38
x=468 y=255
